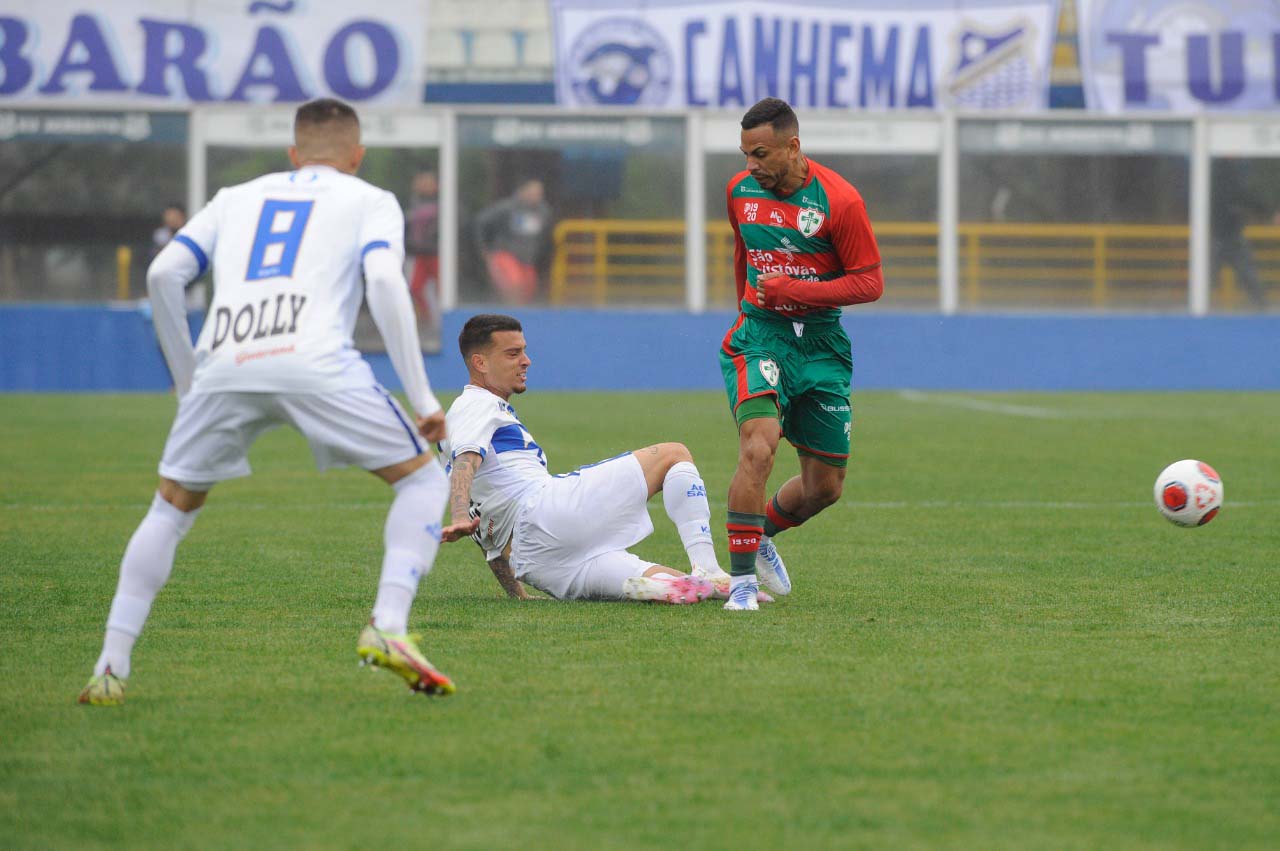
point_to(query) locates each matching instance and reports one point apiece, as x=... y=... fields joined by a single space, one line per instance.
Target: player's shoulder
x=743 y=184
x=476 y=401
x=839 y=190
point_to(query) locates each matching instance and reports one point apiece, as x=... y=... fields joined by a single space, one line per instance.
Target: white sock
x=411 y=537
x=147 y=563
x=745 y=579
x=685 y=498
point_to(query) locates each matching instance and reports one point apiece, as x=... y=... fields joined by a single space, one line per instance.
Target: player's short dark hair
x=320 y=111
x=479 y=331
x=175 y=205
x=775 y=112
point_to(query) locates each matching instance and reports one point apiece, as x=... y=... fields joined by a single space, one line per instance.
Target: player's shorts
x=211 y=435
x=807 y=374
x=570 y=540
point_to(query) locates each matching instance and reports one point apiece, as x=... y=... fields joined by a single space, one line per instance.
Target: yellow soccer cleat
x=400 y=654
x=105 y=689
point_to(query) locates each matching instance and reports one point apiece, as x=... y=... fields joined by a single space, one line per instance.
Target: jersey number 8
x=275 y=245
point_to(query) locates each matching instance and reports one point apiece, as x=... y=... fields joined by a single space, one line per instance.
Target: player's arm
x=462 y=474
x=179 y=263
x=739 y=248
x=387 y=294
x=862 y=281
x=501 y=567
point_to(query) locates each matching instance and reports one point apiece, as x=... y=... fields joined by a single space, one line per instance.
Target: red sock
x=777 y=519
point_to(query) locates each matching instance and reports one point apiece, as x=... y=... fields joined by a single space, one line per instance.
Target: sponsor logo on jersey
x=789 y=248
x=769 y=370
x=810 y=221
x=620 y=62
x=257 y=321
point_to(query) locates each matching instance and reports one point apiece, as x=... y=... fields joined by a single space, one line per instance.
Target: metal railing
x=1092 y=265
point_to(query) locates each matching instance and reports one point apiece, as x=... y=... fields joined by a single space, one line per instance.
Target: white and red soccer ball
x=1189 y=493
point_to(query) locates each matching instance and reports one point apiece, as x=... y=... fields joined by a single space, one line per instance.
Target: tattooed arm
x=463 y=473
x=501 y=567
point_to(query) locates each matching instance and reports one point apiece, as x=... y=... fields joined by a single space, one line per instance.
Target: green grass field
x=994 y=642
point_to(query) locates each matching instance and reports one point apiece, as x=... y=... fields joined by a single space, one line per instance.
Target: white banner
x=851 y=55
x=170 y=52
x=1180 y=55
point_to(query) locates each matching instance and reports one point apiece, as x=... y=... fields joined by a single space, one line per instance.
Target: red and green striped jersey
x=819 y=237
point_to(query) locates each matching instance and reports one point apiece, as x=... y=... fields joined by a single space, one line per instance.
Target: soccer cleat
x=721 y=582
x=677 y=590
x=771 y=570
x=105 y=689
x=400 y=655
x=744 y=597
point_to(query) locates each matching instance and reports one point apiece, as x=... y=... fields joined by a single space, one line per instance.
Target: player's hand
x=766 y=295
x=458 y=531
x=432 y=427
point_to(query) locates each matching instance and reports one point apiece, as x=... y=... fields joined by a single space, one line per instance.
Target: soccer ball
x=1189 y=493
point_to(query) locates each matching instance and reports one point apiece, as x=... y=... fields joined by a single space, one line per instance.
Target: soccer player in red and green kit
x=803 y=249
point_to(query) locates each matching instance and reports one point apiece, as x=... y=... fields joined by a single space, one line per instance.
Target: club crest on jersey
x=769 y=370
x=810 y=221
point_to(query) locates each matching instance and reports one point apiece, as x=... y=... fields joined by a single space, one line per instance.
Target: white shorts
x=571 y=540
x=211 y=435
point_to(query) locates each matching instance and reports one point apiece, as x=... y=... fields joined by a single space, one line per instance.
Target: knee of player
x=674 y=453
x=825 y=494
x=757 y=452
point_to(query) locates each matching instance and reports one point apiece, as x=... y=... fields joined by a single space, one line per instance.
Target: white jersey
x=286 y=251
x=512 y=465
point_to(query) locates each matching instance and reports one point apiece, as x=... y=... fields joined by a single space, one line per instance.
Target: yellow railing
x=1095 y=265
x=124 y=266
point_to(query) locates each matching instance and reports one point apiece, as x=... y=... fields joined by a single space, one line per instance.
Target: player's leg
x=754 y=385
x=144 y=570
x=818 y=425
x=669 y=470
x=620 y=575
x=207 y=443
x=411 y=537
x=601 y=507
x=368 y=428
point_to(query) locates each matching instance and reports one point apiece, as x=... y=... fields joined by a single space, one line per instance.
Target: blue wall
x=69 y=348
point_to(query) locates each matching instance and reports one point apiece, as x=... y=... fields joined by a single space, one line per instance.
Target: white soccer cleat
x=744 y=597
x=677 y=590
x=721 y=581
x=771 y=570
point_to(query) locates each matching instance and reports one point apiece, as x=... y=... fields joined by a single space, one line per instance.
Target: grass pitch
x=994 y=642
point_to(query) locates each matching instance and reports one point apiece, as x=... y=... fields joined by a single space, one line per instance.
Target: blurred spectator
x=1234 y=204
x=423 y=245
x=172 y=218
x=513 y=234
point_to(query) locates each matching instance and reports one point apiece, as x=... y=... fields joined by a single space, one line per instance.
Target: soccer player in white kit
x=288 y=251
x=566 y=535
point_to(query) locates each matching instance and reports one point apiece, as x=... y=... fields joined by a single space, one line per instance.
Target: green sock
x=744 y=532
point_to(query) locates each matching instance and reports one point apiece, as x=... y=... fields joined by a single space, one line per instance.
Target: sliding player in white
x=288 y=251
x=566 y=535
